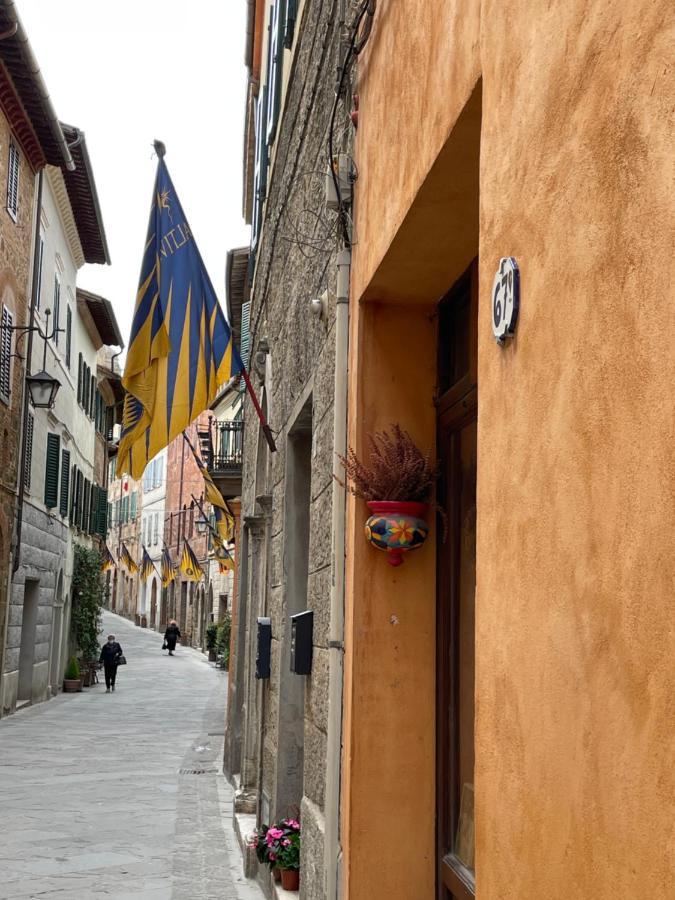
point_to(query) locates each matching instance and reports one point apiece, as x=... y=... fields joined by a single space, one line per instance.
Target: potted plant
x=211 y=637
x=283 y=848
x=396 y=482
x=223 y=641
x=71 y=680
x=257 y=841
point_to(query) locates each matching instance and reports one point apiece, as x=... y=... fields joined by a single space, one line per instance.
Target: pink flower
x=292 y=823
x=272 y=855
x=286 y=843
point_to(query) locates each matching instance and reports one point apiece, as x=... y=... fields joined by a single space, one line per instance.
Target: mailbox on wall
x=262 y=660
x=301 y=642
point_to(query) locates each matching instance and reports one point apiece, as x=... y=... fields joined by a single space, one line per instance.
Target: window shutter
x=133 y=506
x=289 y=24
x=29 y=450
x=93 y=509
x=13 y=181
x=80 y=498
x=102 y=517
x=69 y=328
x=92 y=397
x=39 y=272
x=109 y=519
x=73 y=495
x=79 y=378
x=244 y=349
x=275 y=68
x=6 y=355
x=65 y=482
x=52 y=470
x=56 y=318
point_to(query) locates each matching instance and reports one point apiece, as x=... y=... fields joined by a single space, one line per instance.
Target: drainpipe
x=332 y=848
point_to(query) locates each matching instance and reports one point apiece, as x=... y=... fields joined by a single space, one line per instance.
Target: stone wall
x=15 y=264
x=295 y=382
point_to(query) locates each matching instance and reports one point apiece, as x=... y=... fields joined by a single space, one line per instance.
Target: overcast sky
x=134 y=70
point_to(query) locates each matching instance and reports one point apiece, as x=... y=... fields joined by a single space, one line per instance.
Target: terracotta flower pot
x=290 y=879
x=72 y=685
x=397 y=527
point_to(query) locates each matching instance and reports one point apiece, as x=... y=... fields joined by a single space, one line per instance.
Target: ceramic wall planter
x=290 y=879
x=397 y=527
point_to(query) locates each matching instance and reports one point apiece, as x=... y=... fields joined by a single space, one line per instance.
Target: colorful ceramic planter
x=397 y=527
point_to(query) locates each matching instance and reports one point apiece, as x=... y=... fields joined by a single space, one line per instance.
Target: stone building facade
x=277 y=729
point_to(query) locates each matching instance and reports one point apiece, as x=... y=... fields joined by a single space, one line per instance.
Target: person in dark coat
x=110 y=653
x=171 y=635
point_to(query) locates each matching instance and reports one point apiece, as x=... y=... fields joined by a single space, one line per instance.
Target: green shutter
x=86 y=489
x=109 y=520
x=133 y=506
x=52 y=470
x=260 y=168
x=65 y=482
x=275 y=68
x=80 y=498
x=73 y=495
x=94 y=510
x=79 y=378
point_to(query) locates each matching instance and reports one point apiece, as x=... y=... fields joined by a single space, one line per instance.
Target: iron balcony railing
x=228 y=446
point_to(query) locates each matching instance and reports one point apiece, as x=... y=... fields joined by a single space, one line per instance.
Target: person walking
x=110 y=654
x=171 y=635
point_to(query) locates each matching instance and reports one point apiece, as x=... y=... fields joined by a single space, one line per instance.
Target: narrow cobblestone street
x=102 y=794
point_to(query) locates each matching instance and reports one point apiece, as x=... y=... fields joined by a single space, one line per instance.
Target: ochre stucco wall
x=576 y=481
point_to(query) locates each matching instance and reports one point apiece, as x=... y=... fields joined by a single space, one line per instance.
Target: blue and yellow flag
x=189 y=564
x=224 y=518
x=167 y=567
x=147 y=566
x=181 y=349
x=128 y=561
x=107 y=560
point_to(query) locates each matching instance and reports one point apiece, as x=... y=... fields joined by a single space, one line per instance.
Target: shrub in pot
x=396 y=482
x=71 y=680
x=211 y=639
x=223 y=641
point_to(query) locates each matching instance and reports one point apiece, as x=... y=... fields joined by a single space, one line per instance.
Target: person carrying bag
x=111 y=657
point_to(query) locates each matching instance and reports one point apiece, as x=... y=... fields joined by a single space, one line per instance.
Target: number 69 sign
x=505 y=299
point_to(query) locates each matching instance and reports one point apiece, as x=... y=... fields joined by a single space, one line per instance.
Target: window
x=39 y=272
x=260 y=168
x=289 y=25
x=69 y=327
x=6 y=355
x=275 y=68
x=65 y=482
x=73 y=495
x=85 y=387
x=80 y=373
x=29 y=451
x=13 y=181
x=52 y=470
x=133 y=505
x=92 y=396
x=245 y=331
x=56 y=321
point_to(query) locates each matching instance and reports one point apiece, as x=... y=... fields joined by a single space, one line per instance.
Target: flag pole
x=266 y=430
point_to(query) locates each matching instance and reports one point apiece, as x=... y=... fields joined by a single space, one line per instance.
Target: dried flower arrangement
x=396 y=470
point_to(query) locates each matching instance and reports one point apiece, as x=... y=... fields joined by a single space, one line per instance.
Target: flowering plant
x=283 y=844
x=258 y=841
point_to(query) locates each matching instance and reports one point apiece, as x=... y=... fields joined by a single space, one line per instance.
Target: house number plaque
x=505 y=299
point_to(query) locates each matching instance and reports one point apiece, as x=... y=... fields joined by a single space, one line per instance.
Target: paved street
x=96 y=794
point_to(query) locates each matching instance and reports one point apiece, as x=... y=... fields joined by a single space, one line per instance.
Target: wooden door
x=456 y=587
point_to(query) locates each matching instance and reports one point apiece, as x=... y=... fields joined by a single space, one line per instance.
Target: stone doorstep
x=281 y=894
x=244 y=824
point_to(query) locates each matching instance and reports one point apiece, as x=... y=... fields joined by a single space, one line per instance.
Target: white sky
x=133 y=70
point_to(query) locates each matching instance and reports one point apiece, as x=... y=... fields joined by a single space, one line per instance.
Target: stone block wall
x=295 y=381
x=15 y=266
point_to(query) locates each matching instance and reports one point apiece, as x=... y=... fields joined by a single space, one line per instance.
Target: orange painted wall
x=576 y=481
x=390 y=636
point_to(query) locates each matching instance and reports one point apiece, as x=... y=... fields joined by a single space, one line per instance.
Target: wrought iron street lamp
x=42 y=387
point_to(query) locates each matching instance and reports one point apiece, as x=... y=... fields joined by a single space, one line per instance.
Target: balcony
x=222 y=447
